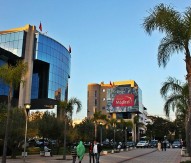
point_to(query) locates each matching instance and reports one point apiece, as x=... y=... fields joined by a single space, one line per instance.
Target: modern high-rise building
x=117 y=100
x=46 y=81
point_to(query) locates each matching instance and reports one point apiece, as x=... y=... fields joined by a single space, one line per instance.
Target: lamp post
x=27 y=108
x=125 y=136
x=100 y=132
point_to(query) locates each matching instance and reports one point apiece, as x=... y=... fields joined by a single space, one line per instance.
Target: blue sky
x=107 y=39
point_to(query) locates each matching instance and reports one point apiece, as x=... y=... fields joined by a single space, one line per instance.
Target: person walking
x=159 y=146
x=91 y=154
x=97 y=150
x=74 y=153
x=80 y=151
x=164 y=145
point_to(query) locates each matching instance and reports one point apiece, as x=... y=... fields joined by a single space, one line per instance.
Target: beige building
x=119 y=99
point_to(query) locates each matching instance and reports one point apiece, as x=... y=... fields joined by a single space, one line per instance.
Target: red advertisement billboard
x=123 y=98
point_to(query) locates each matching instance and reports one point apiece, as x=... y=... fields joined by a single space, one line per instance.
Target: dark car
x=176 y=144
x=130 y=144
x=167 y=144
x=153 y=144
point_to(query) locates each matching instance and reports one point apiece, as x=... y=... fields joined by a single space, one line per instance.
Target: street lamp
x=100 y=132
x=27 y=108
x=125 y=136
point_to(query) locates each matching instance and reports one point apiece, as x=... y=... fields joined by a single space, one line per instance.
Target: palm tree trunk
x=95 y=130
x=64 y=153
x=188 y=68
x=187 y=135
x=7 y=126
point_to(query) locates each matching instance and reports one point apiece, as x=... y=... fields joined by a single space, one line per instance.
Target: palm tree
x=113 y=122
x=98 y=117
x=124 y=125
x=12 y=76
x=176 y=95
x=67 y=109
x=177 y=30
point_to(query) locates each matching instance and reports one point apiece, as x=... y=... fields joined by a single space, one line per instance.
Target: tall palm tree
x=98 y=117
x=176 y=95
x=113 y=123
x=177 y=30
x=12 y=76
x=67 y=109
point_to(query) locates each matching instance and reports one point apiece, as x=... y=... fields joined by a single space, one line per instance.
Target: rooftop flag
x=70 y=50
x=40 y=27
x=111 y=84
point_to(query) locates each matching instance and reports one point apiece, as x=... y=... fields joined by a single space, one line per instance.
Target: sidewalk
x=109 y=158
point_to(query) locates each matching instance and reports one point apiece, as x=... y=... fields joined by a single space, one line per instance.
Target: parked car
x=142 y=144
x=130 y=144
x=153 y=144
x=167 y=144
x=176 y=144
x=106 y=143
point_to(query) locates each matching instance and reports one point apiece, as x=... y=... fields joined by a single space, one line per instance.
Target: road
x=147 y=155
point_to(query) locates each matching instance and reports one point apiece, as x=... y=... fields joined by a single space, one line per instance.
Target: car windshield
x=142 y=142
x=129 y=142
x=176 y=142
x=153 y=142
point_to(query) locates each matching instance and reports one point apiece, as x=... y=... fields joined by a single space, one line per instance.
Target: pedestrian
x=97 y=150
x=74 y=153
x=91 y=154
x=159 y=146
x=164 y=145
x=80 y=151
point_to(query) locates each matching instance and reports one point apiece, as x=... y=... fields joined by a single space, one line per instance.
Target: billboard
x=123 y=98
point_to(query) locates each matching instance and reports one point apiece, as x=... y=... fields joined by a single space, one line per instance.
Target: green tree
x=49 y=126
x=112 y=123
x=154 y=129
x=85 y=130
x=12 y=76
x=67 y=108
x=176 y=95
x=177 y=29
x=3 y=117
x=16 y=133
x=97 y=118
x=33 y=124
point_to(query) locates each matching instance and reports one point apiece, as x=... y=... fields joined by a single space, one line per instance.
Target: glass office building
x=49 y=63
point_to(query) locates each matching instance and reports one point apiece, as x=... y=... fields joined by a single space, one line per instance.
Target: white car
x=142 y=144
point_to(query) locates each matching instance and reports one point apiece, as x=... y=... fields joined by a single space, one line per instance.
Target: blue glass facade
x=4 y=89
x=59 y=59
x=13 y=42
x=51 y=64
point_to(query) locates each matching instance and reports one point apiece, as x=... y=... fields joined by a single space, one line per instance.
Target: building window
x=103 y=90
x=95 y=102
x=103 y=107
x=95 y=93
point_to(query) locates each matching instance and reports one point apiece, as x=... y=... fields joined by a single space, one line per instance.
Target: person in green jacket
x=80 y=151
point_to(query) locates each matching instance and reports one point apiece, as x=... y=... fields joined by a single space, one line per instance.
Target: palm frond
x=171 y=85
x=187 y=23
x=162 y=18
x=167 y=47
